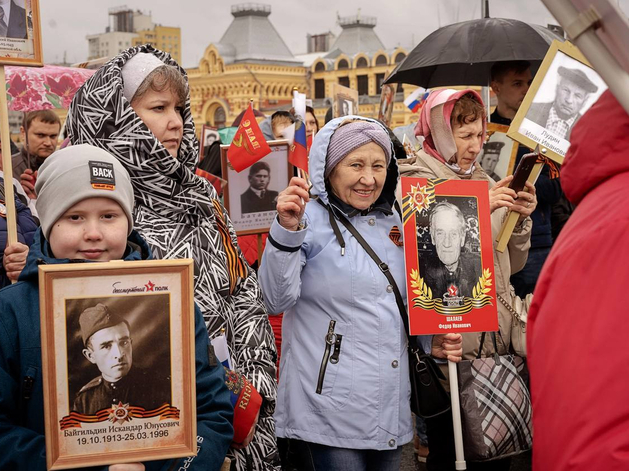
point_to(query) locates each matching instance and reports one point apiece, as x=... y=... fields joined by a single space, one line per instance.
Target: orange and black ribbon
x=74 y=419
x=553 y=167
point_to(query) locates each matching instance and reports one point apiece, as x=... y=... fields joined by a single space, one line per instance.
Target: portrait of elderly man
x=108 y=345
x=450 y=271
x=258 y=197
x=559 y=116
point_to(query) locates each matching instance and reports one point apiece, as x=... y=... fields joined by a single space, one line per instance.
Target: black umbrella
x=463 y=53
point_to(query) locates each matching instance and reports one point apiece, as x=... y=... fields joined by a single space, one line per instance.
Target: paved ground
x=409 y=463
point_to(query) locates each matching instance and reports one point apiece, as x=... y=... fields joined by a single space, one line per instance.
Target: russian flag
x=298 y=153
x=416 y=99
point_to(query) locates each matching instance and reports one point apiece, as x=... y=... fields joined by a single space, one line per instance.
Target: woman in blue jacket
x=344 y=399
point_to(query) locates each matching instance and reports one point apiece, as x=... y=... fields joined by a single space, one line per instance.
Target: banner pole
x=456 y=417
x=7 y=168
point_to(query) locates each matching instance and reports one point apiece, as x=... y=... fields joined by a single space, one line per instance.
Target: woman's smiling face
x=358 y=179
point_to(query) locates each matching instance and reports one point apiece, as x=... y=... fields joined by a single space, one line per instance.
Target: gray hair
x=445 y=206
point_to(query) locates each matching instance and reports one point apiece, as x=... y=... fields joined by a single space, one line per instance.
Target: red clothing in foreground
x=578 y=350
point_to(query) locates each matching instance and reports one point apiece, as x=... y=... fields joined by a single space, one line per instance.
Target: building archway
x=215 y=113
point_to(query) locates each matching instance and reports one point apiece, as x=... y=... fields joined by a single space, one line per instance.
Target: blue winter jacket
x=344 y=365
x=22 y=444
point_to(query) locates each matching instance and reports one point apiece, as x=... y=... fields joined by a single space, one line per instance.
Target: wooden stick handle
x=7 y=168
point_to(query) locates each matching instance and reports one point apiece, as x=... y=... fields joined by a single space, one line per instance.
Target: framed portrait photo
x=387 y=100
x=209 y=135
x=448 y=250
x=118 y=362
x=499 y=152
x=251 y=195
x=344 y=100
x=563 y=89
x=20 y=33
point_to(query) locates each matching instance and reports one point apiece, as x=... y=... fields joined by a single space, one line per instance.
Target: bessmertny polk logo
x=119 y=287
x=451 y=298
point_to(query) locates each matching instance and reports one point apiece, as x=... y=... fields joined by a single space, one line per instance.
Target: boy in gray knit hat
x=85 y=204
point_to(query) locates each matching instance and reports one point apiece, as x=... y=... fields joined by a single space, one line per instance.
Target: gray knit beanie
x=76 y=173
x=349 y=137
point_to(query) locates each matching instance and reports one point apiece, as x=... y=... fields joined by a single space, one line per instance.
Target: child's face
x=93 y=229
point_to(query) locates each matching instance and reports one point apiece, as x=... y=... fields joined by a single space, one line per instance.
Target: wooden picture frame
x=344 y=101
x=209 y=135
x=257 y=216
x=563 y=63
x=451 y=286
x=499 y=152
x=22 y=45
x=155 y=417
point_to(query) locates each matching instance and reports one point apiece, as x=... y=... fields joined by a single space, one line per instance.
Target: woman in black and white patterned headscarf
x=139 y=111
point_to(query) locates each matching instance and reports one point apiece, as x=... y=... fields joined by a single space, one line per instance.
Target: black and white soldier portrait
x=122 y=357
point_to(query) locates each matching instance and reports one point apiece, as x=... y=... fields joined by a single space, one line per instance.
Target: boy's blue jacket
x=22 y=444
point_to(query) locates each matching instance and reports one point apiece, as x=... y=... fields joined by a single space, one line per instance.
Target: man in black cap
x=573 y=89
x=108 y=345
x=490 y=158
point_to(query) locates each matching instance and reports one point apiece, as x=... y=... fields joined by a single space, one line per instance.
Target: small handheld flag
x=248 y=145
x=415 y=100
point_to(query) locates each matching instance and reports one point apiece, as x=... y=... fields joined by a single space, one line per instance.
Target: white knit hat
x=136 y=70
x=77 y=173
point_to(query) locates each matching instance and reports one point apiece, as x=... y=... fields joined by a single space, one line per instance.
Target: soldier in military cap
x=490 y=157
x=559 y=116
x=108 y=345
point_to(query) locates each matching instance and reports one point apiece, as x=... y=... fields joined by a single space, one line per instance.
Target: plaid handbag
x=495 y=405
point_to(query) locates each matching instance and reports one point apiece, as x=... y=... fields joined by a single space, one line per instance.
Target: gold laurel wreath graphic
x=482 y=287
x=424 y=300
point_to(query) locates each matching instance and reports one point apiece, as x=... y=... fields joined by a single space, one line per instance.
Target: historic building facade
x=252 y=62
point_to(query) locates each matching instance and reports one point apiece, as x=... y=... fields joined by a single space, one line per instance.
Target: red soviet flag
x=248 y=145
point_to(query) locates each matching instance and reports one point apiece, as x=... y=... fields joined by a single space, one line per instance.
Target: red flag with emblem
x=248 y=145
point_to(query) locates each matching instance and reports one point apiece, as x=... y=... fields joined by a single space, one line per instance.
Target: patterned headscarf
x=180 y=216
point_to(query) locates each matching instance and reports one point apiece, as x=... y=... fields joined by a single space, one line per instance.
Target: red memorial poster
x=448 y=247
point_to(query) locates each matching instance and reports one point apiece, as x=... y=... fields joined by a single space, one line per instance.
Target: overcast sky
x=66 y=23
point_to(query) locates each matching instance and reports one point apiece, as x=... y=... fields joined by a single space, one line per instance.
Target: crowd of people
x=343 y=398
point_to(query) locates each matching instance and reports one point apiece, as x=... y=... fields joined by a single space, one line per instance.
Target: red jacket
x=577 y=337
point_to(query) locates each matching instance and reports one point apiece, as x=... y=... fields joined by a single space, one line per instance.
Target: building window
x=400 y=56
x=219 y=117
x=343 y=64
x=363 y=84
x=344 y=81
x=319 y=86
x=361 y=62
x=381 y=60
x=320 y=67
x=379 y=80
